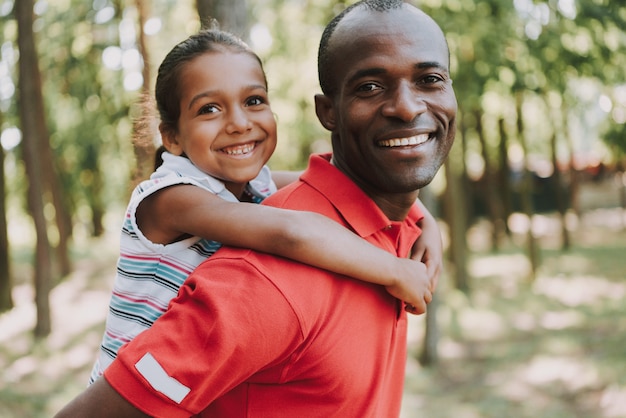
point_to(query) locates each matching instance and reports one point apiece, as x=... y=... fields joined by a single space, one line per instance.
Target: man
x=252 y=335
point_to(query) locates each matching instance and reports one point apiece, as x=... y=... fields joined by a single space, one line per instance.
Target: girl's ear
x=325 y=111
x=170 y=140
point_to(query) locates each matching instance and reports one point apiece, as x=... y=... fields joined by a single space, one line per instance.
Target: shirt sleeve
x=144 y=190
x=227 y=323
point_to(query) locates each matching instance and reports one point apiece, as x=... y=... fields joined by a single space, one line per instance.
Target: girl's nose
x=238 y=121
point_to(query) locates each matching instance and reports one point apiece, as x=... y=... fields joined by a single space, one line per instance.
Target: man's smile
x=402 y=142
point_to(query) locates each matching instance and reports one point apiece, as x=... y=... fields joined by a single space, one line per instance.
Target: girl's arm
x=307 y=237
x=429 y=248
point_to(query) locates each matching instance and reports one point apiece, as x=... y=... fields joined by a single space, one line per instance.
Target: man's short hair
x=324 y=54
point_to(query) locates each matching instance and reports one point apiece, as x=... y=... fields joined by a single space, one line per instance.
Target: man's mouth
x=240 y=149
x=403 y=142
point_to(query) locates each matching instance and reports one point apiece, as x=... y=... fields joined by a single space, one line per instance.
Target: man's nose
x=405 y=103
x=238 y=121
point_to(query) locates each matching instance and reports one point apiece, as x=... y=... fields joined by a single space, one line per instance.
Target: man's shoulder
x=310 y=192
x=300 y=195
x=245 y=272
x=286 y=194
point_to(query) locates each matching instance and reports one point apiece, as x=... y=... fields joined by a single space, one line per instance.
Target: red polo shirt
x=253 y=335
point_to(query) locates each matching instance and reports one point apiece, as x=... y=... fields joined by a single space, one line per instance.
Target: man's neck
x=395 y=206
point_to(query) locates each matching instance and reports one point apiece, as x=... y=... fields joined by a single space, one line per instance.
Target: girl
x=218 y=131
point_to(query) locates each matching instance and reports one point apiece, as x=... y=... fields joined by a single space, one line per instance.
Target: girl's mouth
x=240 y=149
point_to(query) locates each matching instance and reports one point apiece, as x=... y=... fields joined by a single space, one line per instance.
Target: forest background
x=530 y=317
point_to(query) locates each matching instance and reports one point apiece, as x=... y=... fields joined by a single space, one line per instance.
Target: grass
x=551 y=348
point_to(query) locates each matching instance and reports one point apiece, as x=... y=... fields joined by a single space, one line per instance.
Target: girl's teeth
x=239 y=150
x=402 y=142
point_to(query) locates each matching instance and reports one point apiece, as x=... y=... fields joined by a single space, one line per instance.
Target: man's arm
x=109 y=404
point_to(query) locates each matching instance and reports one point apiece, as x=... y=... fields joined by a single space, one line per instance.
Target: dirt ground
x=512 y=347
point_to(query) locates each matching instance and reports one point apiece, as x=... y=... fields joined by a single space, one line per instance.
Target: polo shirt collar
x=354 y=205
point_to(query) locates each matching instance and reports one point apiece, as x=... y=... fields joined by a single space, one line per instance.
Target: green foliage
x=615 y=137
x=542 y=48
x=573 y=50
x=86 y=103
x=291 y=65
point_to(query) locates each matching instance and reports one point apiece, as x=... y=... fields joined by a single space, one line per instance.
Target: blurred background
x=530 y=315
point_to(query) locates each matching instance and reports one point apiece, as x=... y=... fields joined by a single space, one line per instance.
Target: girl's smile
x=243 y=149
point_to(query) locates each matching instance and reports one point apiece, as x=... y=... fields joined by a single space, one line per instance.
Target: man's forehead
x=363 y=28
x=369 y=24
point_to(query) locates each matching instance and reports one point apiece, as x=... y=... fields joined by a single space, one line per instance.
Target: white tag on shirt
x=158 y=378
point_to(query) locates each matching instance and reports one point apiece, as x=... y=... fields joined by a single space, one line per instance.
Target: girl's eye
x=207 y=108
x=255 y=101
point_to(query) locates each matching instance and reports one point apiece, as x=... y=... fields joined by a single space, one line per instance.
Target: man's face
x=393 y=108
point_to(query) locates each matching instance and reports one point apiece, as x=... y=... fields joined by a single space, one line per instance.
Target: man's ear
x=325 y=111
x=169 y=140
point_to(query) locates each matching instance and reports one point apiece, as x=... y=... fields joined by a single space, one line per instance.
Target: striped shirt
x=148 y=274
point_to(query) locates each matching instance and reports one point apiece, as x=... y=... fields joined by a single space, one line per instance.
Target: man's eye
x=432 y=79
x=367 y=87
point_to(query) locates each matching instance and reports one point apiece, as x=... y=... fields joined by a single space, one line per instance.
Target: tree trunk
x=429 y=355
x=504 y=176
x=232 y=15
x=557 y=183
x=559 y=194
x=144 y=126
x=6 y=301
x=62 y=216
x=455 y=215
x=97 y=207
x=33 y=128
x=493 y=202
x=574 y=180
x=526 y=193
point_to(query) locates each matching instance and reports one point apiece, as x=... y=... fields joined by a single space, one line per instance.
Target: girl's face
x=226 y=126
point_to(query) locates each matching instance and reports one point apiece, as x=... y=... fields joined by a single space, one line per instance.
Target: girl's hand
x=429 y=247
x=411 y=285
x=429 y=250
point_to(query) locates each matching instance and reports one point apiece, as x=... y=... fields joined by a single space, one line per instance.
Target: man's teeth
x=402 y=142
x=239 y=149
